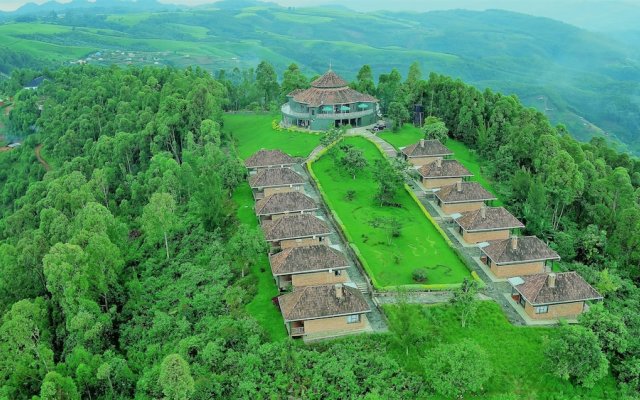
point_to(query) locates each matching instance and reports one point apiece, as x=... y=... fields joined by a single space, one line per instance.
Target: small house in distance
x=462 y=196
x=268 y=159
x=329 y=102
x=309 y=265
x=518 y=256
x=425 y=151
x=278 y=204
x=275 y=180
x=487 y=223
x=553 y=295
x=35 y=83
x=439 y=173
x=295 y=230
x=315 y=312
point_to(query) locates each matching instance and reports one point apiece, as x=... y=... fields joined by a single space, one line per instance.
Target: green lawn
x=516 y=353
x=253 y=132
x=261 y=307
x=409 y=134
x=420 y=243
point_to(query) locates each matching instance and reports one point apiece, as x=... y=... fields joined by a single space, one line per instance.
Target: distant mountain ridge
x=113 y=5
x=582 y=79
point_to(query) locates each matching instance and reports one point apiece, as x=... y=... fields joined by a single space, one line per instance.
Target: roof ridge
x=538 y=289
x=273 y=224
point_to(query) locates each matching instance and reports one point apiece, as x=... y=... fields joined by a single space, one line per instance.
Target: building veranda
x=329 y=102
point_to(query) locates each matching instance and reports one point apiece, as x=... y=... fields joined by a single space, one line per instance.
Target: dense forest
x=117 y=275
x=119 y=270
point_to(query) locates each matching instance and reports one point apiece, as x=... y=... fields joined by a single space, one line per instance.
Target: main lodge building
x=329 y=102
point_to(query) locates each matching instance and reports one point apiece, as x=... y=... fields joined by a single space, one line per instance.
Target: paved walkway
x=438 y=297
x=314 y=152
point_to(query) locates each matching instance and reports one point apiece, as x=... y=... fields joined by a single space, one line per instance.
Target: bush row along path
x=492 y=290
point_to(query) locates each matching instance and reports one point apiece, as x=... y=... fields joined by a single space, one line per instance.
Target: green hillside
x=584 y=80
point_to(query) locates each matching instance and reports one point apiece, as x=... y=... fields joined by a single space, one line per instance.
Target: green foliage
x=58 y=387
x=398 y=113
x=267 y=82
x=352 y=160
x=454 y=370
x=26 y=348
x=464 y=301
x=333 y=134
x=158 y=218
x=419 y=275
x=364 y=81
x=246 y=245
x=609 y=328
x=434 y=128
x=389 y=179
x=175 y=378
x=576 y=354
x=292 y=79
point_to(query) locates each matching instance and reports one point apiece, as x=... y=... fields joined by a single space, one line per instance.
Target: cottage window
x=337 y=272
x=542 y=309
x=353 y=319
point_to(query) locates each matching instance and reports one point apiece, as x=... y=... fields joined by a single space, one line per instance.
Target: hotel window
x=353 y=319
x=542 y=309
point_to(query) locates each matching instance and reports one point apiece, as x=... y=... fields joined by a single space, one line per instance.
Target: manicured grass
x=253 y=132
x=409 y=134
x=419 y=245
x=405 y=136
x=261 y=307
x=516 y=353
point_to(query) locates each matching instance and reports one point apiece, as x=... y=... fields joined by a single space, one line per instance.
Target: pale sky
x=10 y=5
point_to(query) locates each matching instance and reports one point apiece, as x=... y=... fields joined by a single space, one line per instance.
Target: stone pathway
x=314 y=152
x=438 y=297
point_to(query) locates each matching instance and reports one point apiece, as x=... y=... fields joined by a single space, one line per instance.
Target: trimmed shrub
x=419 y=275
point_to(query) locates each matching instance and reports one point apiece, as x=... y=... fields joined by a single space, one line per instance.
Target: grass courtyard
x=409 y=134
x=420 y=244
x=516 y=354
x=253 y=132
